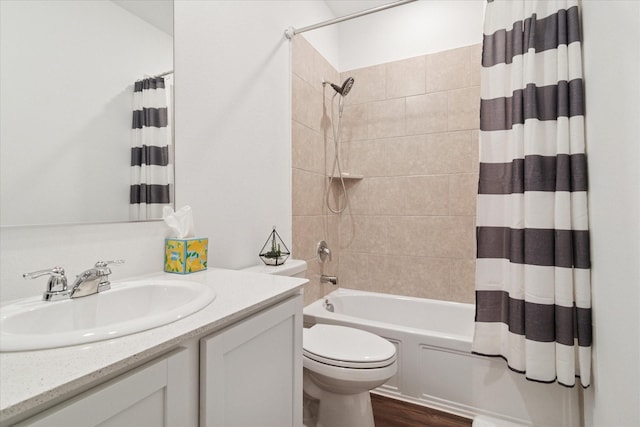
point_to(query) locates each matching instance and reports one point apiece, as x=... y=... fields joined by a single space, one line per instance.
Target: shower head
x=345 y=88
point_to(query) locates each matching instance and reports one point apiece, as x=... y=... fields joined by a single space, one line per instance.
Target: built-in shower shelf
x=346 y=175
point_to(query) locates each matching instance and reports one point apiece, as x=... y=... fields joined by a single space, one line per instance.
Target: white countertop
x=32 y=378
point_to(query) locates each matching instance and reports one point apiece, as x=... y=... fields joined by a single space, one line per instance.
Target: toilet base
x=327 y=409
x=340 y=410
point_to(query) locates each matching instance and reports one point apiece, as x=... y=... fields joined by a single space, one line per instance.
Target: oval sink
x=126 y=308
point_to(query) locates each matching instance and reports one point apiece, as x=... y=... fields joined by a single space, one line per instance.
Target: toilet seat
x=346 y=347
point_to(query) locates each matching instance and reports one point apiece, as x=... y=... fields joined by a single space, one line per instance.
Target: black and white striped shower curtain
x=533 y=292
x=151 y=169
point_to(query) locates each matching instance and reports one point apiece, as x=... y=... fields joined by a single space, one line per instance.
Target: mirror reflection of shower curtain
x=151 y=149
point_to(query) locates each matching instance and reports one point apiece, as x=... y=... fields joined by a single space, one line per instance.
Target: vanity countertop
x=32 y=378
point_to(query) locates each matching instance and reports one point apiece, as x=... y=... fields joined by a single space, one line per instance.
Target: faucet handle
x=323 y=251
x=56 y=285
x=105 y=284
x=105 y=263
x=54 y=272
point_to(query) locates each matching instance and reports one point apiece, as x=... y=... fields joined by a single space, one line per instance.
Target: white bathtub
x=436 y=367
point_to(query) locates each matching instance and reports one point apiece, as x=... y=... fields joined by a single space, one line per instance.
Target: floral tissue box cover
x=184 y=256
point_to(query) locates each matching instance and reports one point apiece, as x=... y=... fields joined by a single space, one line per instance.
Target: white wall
x=233 y=121
x=233 y=143
x=612 y=66
x=67 y=74
x=409 y=30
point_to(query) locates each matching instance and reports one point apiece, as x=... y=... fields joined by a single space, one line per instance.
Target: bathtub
x=435 y=364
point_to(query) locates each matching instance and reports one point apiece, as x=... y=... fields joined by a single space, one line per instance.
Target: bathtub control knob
x=328 y=306
x=323 y=251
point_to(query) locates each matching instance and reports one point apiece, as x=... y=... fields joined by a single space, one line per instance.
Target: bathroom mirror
x=67 y=74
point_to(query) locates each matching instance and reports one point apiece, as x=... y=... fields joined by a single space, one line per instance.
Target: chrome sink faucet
x=89 y=282
x=93 y=280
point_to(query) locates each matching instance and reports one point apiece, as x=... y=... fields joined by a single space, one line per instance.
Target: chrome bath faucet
x=89 y=282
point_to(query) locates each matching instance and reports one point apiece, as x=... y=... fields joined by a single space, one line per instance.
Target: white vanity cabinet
x=251 y=372
x=154 y=394
x=246 y=374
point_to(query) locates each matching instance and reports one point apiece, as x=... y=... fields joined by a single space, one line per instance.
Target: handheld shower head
x=345 y=88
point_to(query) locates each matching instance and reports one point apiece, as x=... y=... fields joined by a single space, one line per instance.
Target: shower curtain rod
x=290 y=32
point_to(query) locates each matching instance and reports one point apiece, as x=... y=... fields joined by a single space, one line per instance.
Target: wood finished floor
x=389 y=412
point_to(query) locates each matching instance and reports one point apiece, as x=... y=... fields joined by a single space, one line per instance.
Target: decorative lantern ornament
x=274 y=251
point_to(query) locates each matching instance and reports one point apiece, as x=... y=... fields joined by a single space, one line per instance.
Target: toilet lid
x=347 y=347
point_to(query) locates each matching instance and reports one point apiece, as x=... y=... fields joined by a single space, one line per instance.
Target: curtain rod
x=290 y=32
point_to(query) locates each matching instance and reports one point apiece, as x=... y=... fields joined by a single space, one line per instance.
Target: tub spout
x=329 y=279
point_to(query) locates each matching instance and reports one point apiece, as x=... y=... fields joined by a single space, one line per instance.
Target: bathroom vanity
x=238 y=361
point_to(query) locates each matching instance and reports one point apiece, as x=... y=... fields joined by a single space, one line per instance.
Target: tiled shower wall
x=312 y=147
x=410 y=128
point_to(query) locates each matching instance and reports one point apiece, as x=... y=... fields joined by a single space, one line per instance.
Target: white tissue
x=180 y=222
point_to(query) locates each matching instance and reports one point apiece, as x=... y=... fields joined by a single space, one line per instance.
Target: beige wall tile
x=404 y=156
x=354 y=122
x=336 y=198
x=366 y=157
x=405 y=77
x=449 y=152
x=464 y=108
x=358 y=193
x=462 y=194
x=427 y=113
x=308 y=230
x=308 y=64
x=388 y=156
x=324 y=71
x=387 y=196
x=329 y=156
x=307 y=193
x=302 y=59
x=354 y=271
x=415 y=195
x=386 y=118
x=432 y=236
x=426 y=277
x=306 y=104
x=475 y=151
x=386 y=274
x=401 y=156
x=368 y=234
x=448 y=70
x=475 y=54
x=426 y=195
x=369 y=84
x=307 y=148
x=463 y=278
x=312 y=290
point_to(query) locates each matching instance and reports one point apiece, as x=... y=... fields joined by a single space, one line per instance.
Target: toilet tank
x=291 y=268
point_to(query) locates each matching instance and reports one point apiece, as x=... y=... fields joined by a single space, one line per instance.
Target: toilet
x=341 y=365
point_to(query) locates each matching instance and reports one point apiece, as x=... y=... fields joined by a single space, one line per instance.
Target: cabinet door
x=151 y=395
x=251 y=373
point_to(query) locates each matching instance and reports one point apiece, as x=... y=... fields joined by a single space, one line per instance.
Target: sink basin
x=127 y=308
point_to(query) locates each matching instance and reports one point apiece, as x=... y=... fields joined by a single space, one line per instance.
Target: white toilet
x=341 y=366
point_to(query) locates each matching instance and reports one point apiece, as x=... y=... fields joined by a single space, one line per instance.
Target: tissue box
x=184 y=256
